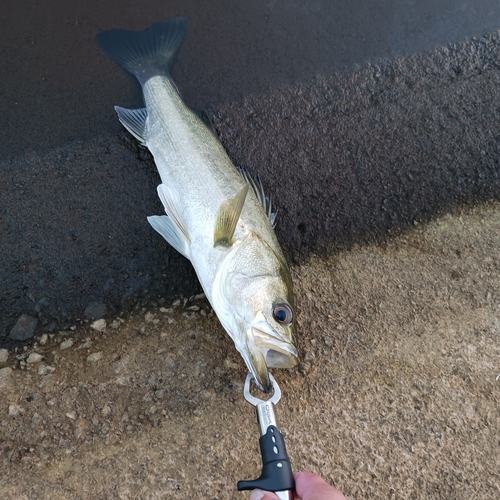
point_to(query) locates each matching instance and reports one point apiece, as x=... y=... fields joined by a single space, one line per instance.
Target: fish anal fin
x=227 y=218
x=134 y=120
x=165 y=226
x=170 y=202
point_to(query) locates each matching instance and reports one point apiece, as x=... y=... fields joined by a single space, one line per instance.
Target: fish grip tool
x=277 y=475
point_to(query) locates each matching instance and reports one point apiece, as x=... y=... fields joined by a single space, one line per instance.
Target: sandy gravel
x=396 y=397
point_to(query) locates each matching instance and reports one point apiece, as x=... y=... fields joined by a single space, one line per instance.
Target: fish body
x=216 y=216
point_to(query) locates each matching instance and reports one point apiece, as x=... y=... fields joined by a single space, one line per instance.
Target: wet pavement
x=353 y=140
x=58 y=86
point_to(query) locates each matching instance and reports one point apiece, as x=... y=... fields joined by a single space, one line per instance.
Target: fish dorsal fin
x=227 y=218
x=258 y=190
x=202 y=115
x=134 y=120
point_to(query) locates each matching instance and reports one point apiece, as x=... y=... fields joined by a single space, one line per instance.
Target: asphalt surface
x=385 y=143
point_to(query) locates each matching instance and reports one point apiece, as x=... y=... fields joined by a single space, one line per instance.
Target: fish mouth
x=277 y=352
x=265 y=348
x=269 y=350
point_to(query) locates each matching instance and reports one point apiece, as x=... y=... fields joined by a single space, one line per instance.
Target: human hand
x=308 y=486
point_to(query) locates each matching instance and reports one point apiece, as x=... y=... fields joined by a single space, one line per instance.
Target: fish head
x=259 y=308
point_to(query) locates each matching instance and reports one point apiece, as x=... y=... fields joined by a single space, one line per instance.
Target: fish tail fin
x=145 y=53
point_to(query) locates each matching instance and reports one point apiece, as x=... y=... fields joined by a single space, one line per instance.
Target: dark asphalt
x=348 y=158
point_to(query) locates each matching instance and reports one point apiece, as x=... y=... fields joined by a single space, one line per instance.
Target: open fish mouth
x=265 y=348
x=277 y=352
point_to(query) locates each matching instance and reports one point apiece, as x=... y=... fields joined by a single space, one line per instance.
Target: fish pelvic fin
x=134 y=120
x=145 y=53
x=227 y=218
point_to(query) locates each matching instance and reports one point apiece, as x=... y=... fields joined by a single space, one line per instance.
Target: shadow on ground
x=347 y=159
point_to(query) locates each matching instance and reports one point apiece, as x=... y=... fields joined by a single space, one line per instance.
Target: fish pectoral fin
x=227 y=218
x=170 y=231
x=134 y=120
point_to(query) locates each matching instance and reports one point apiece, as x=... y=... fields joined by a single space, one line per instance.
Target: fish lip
x=258 y=377
x=264 y=352
x=266 y=342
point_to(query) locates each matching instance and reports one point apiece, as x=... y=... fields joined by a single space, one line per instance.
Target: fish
x=216 y=215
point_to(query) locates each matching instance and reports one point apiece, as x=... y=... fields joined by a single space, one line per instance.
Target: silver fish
x=216 y=216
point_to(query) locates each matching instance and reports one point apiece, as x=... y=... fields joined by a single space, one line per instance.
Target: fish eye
x=282 y=313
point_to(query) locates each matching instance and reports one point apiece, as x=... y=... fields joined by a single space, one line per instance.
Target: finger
x=311 y=487
x=263 y=495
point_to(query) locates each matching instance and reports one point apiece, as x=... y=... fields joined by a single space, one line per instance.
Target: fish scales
x=215 y=216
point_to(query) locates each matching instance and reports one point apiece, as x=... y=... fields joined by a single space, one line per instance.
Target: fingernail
x=257 y=495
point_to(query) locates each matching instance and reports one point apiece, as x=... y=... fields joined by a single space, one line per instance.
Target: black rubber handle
x=277 y=472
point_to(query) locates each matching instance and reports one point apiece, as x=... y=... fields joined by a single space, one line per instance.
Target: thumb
x=262 y=495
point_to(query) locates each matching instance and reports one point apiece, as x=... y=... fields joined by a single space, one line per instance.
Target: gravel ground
x=396 y=396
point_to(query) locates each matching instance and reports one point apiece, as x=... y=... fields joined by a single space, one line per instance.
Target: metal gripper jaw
x=277 y=475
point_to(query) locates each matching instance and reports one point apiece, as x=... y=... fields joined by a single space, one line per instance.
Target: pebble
x=34 y=357
x=95 y=310
x=304 y=368
x=4 y=355
x=5 y=376
x=71 y=414
x=122 y=381
x=148 y=317
x=43 y=339
x=93 y=358
x=45 y=369
x=106 y=411
x=99 y=325
x=86 y=345
x=24 y=328
x=328 y=341
x=308 y=356
x=15 y=410
x=66 y=344
x=206 y=395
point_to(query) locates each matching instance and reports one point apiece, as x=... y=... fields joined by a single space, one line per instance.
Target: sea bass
x=216 y=216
